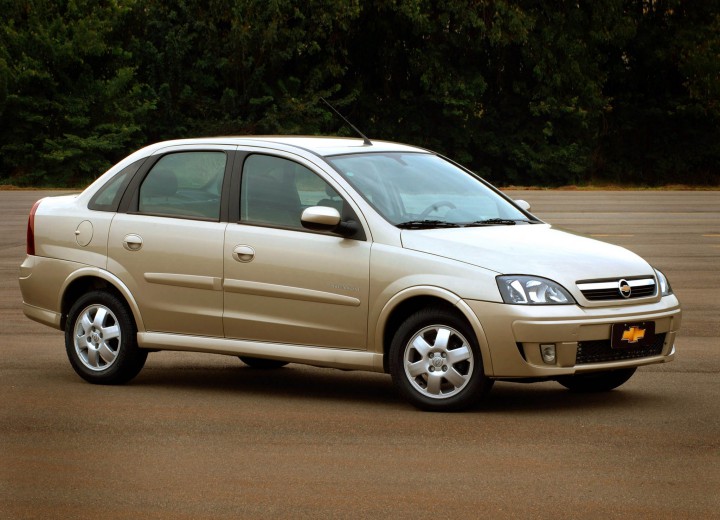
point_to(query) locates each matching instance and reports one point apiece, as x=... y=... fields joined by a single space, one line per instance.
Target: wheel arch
x=87 y=279
x=409 y=301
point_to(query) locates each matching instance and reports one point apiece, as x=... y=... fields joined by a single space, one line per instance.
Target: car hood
x=535 y=249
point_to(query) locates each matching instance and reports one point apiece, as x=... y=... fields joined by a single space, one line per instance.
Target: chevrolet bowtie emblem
x=633 y=334
x=625 y=289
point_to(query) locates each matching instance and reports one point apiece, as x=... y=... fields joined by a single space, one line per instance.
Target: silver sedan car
x=337 y=253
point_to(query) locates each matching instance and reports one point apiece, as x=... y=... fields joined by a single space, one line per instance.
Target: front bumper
x=511 y=336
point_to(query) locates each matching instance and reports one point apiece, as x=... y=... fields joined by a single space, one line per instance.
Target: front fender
x=433 y=292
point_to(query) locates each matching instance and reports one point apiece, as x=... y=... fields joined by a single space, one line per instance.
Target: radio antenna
x=366 y=141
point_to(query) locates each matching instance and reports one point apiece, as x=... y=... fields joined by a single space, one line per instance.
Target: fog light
x=548 y=353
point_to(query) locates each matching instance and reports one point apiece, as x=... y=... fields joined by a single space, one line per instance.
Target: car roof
x=322 y=146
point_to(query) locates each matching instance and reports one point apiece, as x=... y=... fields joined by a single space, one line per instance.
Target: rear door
x=166 y=242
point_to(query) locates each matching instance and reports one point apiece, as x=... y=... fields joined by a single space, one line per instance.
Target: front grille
x=610 y=289
x=601 y=352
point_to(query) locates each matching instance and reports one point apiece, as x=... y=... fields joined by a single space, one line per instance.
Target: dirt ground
x=202 y=436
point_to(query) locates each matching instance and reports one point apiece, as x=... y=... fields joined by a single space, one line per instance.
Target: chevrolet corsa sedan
x=337 y=253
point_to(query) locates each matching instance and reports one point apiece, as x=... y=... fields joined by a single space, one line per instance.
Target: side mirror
x=320 y=218
x=325 y=218
x=523 y=204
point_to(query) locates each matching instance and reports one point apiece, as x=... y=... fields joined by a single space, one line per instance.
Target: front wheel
x=597 y=381
x=435 y=362
x=101 y=340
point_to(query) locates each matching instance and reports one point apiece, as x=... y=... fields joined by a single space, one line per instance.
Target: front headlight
x=665 y=289
x=532 y=290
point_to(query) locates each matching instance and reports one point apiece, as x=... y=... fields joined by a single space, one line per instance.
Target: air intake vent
x=601 y=352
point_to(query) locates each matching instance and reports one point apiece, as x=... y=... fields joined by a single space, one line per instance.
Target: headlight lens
x=665 y=289
x=532 y=290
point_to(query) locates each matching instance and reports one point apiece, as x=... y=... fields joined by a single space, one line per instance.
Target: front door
x=283 y=283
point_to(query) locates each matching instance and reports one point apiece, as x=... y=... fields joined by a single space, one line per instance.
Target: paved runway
x=202 y=436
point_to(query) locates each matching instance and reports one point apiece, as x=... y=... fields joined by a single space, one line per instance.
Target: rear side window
x=185 y=184
x=108 y=197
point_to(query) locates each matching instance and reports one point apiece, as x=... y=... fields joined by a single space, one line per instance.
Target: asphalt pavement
x=198 y=436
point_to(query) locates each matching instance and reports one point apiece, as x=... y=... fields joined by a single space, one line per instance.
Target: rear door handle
x=133 y=242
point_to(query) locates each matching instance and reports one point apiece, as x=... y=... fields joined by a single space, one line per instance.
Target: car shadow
x=292 y=381
x=322 y=384
x=551 y=396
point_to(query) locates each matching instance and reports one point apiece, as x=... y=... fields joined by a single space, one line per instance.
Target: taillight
x=31 y=229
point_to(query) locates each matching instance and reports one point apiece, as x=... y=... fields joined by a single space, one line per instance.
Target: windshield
x=424 y=190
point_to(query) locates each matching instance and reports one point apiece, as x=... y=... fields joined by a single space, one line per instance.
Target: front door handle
x=132 y=242
x=243 y=253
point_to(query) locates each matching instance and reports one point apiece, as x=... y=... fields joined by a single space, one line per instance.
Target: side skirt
x=316 y=356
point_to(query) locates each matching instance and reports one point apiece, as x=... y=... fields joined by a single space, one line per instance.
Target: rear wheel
x=435 y=362
x=101 y=340
x=597 y=381
x=265 y=364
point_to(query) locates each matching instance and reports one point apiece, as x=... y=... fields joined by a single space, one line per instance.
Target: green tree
x=515 y=89
x=249 y=66
x=522 y=91
x=665 y=90
x=72 y=105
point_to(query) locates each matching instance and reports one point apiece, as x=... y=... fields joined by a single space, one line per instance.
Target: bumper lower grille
x=601 y=352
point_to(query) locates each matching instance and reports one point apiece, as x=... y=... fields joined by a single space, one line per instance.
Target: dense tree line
x=524 y=92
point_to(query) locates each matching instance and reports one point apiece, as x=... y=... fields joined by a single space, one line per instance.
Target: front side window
x=186 y=184
x=275 y=191
x=407 y=188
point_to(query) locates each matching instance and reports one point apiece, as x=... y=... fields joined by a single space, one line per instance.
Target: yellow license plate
x=633 y=335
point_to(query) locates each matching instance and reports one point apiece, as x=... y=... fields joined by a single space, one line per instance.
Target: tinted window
x=409 y=186
x=108 y=197
x=186 y=184
x=275 y=191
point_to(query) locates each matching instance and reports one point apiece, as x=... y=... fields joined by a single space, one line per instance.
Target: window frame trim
x=244 y=152
x=131 y=198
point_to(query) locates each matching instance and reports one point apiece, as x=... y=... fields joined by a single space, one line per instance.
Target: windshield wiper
x=429 y=224
x=426 y=224
x=495 y=222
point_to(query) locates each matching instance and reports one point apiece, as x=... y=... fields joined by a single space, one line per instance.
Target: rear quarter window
x=108 y=197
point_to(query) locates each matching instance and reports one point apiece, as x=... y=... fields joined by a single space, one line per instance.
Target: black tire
x=261 y=363
x=435 y=362
x=597 y=381
x=101 y=340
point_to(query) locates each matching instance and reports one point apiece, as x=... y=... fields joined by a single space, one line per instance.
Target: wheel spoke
x=417 y=369
x=86 y=323
x=82 y=341
x=433 y=384
x=111 y=332
x=92 y=358
x=100 y=317
x=455 y=378
x=106 y=353
x=459 y=354
x=442 y=339
x=421 y=346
